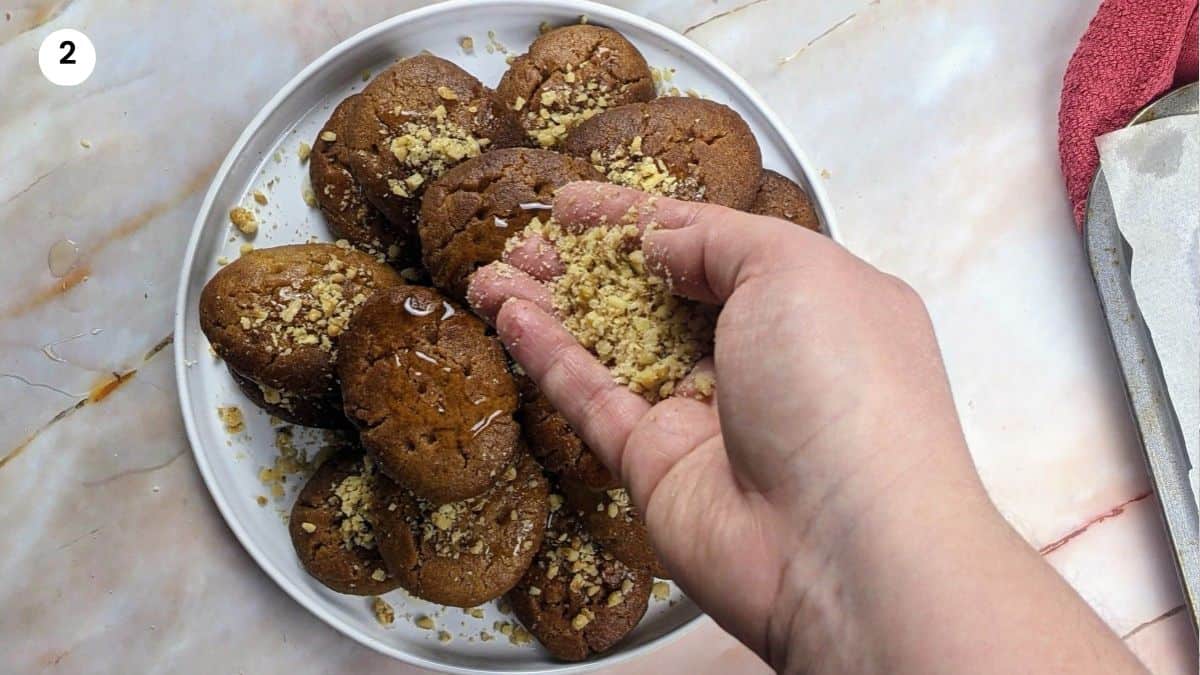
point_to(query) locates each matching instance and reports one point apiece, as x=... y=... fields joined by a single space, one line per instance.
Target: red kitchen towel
x=1133 y=51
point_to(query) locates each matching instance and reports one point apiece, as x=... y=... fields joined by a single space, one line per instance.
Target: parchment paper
x=1153 y=174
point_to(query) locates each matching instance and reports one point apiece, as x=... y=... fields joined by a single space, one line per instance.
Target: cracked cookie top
x=340 y=197
x=430 y=393
x=467 y=552
x=415 y=121
x=569 y=75
x=686 y=148
x=780 y=197
x=469 y=213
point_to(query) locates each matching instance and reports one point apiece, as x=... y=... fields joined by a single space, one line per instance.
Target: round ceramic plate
x=265 y=159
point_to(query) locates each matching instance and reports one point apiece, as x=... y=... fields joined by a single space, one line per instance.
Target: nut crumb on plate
x=383 y=611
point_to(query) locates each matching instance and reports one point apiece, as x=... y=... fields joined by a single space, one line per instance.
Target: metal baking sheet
x=1157 y=425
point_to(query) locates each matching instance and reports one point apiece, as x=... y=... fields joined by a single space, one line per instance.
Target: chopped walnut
x=649 y=338
x=384 y=613
x=243 y=220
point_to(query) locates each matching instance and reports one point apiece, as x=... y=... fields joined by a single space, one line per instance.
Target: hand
x=830 y=453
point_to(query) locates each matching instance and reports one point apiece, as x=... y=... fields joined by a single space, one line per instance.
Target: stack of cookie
x=466 y=484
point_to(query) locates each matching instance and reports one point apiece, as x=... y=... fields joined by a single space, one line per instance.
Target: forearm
x=934 y=581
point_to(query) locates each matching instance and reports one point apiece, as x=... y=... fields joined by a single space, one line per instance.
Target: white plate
x=264 y=158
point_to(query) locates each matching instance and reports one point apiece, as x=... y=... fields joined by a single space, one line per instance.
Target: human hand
x=777 y=503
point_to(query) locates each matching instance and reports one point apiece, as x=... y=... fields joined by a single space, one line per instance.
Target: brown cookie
x=614 y=523
x=569 y=75
x=340 y=197
x=415 y=121
x=324 y=412
x=780 y=197
x=333 y=530
x=576 y=598
x=686 y=148
x=275 y=314
x=468 y=552
x=469 y=213
x=430 y=393
x=550 y=438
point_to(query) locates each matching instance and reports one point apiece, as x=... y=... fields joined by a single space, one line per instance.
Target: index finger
x=602 y=412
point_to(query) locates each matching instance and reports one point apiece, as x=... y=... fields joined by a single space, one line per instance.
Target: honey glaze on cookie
x=430 y=393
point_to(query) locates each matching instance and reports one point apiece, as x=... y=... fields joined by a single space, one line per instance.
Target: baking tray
x=1157 y=425
x=265 y=158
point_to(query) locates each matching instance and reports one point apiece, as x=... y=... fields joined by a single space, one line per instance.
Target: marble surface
x=933 y=122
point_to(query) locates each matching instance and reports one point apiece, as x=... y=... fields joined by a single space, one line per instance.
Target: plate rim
x=604 y=14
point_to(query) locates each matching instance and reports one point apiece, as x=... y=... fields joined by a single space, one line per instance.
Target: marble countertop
x=933 y=123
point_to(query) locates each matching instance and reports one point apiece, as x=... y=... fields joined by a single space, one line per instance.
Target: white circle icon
x=67 y=57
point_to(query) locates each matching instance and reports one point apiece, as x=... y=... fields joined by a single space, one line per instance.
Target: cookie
x=324 y=412
x=686 y=148
x=415 y=121
x=780 y=197
x=275 y=315
x=469 y=213
x=333 y=530
x=614 y=523
x=465 y=553
x=341 y=199
x=576 y=598
x=550 y=438
x=569 y=75
x=430 y=393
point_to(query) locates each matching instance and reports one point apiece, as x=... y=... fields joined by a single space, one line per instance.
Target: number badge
x=67 y=57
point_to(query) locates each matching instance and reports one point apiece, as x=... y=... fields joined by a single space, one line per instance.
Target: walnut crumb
x=467 y=43
x=383 y=611
x=260 y=198
x=232 y=419
x=243 y=220
x=649 y=338
x=308 y=527
x=328 y=136
x=379 y=575
x=444 y=636
x=520 y=636
x=661 y=590
x=424 y=622
x=303 y=151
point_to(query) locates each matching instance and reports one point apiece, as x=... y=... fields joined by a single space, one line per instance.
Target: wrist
x=884 y=527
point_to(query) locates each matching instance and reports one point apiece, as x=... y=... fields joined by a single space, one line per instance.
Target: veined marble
x=933 y=122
